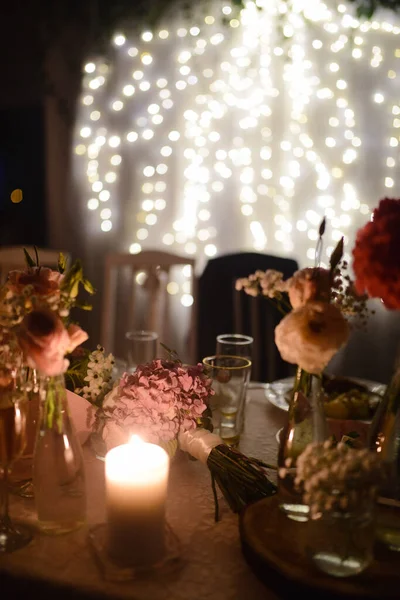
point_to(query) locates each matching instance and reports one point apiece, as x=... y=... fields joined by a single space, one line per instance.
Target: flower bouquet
x=340 y=485
x=317 y=305
x=35 y=306
x=166 y=402
x=36 y=337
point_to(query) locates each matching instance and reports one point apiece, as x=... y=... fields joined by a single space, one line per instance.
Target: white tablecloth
x=214 y=567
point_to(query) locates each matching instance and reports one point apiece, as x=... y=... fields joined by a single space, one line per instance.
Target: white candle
x=136 y=491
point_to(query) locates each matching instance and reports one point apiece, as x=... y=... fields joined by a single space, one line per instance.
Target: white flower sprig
x=335 y=477
x=98 y=377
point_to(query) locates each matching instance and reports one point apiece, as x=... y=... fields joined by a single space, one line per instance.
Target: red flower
x=377 y=255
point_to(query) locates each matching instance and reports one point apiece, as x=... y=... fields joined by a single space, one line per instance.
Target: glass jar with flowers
x=339 y=484
x=309 y=335
x=35 y=288
x=58 y=473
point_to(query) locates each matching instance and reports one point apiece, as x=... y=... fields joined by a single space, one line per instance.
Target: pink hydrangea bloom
x=157 y=401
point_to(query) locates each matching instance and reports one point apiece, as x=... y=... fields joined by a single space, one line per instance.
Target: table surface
x=213 y=565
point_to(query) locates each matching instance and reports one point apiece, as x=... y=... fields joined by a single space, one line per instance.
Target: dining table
x=211 y=564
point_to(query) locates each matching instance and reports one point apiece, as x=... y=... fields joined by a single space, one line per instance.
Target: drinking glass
x=230 y=375
x=142 y=347
x=13 y=412
x=234 y=344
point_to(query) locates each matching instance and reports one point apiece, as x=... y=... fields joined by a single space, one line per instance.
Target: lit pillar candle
x=136 y=492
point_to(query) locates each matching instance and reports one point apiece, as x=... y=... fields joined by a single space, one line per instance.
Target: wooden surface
x=276 y=548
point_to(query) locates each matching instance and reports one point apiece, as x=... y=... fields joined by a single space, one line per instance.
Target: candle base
x=112 y=571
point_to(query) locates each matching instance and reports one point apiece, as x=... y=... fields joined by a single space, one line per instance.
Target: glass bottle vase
x=384 y=439
x=306 y=423
x=58 y=468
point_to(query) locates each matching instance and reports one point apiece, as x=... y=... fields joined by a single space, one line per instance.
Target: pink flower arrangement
x=157 y=401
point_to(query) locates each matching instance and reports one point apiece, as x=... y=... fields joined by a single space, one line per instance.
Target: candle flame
x=136 y=440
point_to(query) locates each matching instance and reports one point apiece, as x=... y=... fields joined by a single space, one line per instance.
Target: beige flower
x=309 y=284
x=311 y=335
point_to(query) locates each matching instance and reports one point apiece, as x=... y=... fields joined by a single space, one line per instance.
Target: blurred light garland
x=234 y=113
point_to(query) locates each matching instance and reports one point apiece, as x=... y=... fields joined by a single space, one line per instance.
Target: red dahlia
x=376 y=255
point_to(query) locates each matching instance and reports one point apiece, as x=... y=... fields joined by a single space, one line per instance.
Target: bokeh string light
x=237 y=132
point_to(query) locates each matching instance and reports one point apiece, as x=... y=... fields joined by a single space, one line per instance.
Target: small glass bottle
x=58 y=469
x=384 y=439
x=306 y=423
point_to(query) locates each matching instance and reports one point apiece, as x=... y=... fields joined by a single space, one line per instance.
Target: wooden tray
x=274 y=546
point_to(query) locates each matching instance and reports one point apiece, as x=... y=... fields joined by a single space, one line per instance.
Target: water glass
x=234 y=344
x=230 y=375
x=142 y=347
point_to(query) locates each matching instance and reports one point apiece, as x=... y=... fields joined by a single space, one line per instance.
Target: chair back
x=223 y=309
x=136 y=286
x=13 y=258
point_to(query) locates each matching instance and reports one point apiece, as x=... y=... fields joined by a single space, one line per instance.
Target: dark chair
x=222 y=309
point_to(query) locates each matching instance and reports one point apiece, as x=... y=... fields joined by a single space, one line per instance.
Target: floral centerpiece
x=35 y=306
x=316 y=303
x=167 y=403
x=337 y=478
x=158 y=401
x=340 y=485
x=36 y=332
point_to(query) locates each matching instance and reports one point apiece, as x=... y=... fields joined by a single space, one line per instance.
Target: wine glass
x=13 y=408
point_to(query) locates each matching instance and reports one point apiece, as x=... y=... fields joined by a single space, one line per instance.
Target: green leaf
x=36 y=255
x=74 y=289
x=83 y=305
x=29 y=260
x=62 y=263
x=88 y=286
x=337 y=254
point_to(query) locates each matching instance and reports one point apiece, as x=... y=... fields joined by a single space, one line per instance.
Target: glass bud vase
x=306 y=423
x=341 y=543
x=58 y=469
x=385 y=440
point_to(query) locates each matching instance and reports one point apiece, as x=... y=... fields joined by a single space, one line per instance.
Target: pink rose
x=45 y=341
x=311 y=335
x=309 y=284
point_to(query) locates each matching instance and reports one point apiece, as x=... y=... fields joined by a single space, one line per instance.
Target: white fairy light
x=119 y=39
x=106 y=225
x=190 y=140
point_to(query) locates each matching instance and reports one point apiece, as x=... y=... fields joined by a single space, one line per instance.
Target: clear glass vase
x=13 y=409
x=22 y=474
x=306 y=423
x=58 y=468
x=341 y=543
x=385 y=440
